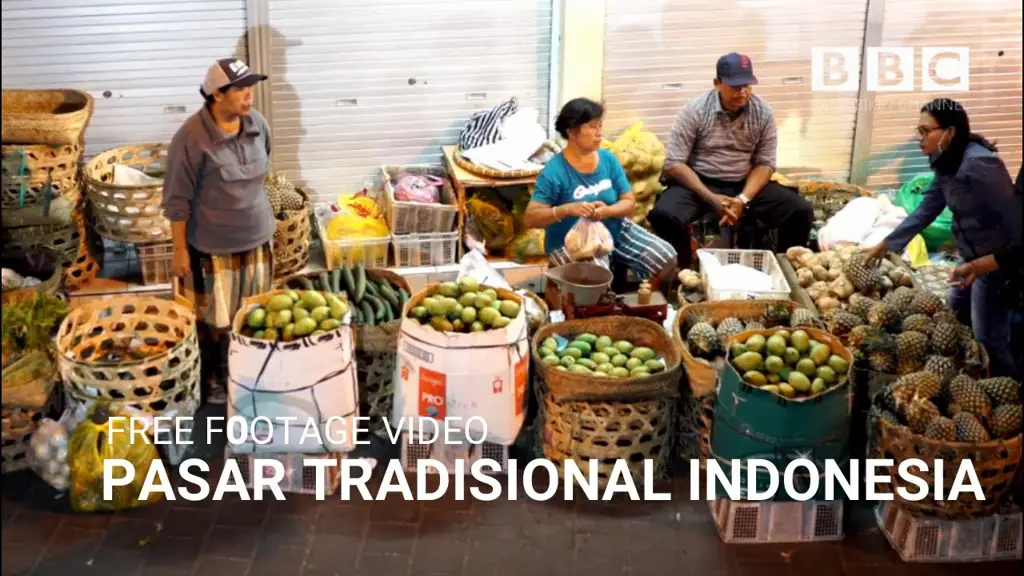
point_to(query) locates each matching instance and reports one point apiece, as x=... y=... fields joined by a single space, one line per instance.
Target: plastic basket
x=426 y=249
x=777 y=522
x=417 y=217
x=155 y=261
x=918 y=539
x=370 y=252
x=413 y=451
x=761 y=260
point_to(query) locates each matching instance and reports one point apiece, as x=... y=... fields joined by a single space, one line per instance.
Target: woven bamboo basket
x=828 y=198
x=567 y=386
x=695 y=419
x=45 y=116
x=703 y=375
x=292 y=240
x=131 y=214
x=18 y=426
x=32 y=189
x=995 y=463
x=166 y=377
x=469 y=166
x=71 y=242
x=40 y=263
x=606 y=432
x=29 y=170
x=59 y=212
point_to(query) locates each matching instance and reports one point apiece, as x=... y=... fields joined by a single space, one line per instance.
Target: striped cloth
x=219 y=284
x=484 y=127
x=716 y=145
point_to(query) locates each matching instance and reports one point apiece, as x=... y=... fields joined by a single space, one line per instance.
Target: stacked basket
x=42 y=146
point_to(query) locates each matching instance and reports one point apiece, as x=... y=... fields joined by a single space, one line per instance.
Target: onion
x=820 y=272
x=826 y=303
x=805 y=277
x=834 y=273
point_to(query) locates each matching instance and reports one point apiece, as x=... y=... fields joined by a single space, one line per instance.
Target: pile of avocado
x=601 y=357
x=464 y=306
x=788 y=364
x=294 y=314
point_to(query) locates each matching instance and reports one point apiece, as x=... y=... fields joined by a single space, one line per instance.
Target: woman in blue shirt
x=584 y=181
x=973 y=181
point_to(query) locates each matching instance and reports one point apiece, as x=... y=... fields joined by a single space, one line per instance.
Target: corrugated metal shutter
x=991 y=29
x=358 y=84
x=150 y=56
x=660 y=53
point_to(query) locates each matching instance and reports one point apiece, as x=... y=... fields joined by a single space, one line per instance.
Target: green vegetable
x=372 y=288
x=369 y=316
x=403 y=299
x=306 y=283
x=335 y=280
x=325 y=283
x=350 y=283
x=360 y=287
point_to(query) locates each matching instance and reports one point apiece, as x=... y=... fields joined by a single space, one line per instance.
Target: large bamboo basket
x=45 y=116
x=702 y=375
x=132 y=214
x=166 y=379
x=995 y=463
x=72 y=243
x=567 y=386
x=292 y=240
x=40 y=263
x=29 y=170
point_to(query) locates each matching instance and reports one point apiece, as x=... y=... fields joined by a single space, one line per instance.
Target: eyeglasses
x=923 y=131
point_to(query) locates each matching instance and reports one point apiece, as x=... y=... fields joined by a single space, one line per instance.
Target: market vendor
x=221 y=218
x=584 y=181
x=975 y=184
x=721 y=157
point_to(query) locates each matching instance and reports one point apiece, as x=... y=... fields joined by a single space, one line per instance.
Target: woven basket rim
x=86 y=308
x=905 y=431
x=100 y=159
x=89 y=101
x=486 y=172
x=681 y=317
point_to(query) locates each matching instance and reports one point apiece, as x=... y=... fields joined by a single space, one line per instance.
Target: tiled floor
x=394 y=537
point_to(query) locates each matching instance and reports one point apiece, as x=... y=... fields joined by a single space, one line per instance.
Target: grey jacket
x=986 y=210
x=214 y=181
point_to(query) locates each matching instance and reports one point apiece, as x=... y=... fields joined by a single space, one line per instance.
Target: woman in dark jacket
x=974 y=183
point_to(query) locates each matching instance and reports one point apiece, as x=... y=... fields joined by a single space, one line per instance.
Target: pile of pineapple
x=284 y=199
x=942 y=404
x=832 y=278
x=707 y=340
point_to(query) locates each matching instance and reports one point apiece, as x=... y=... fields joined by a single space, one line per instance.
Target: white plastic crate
x=298 y=478
x=413 y=451
x=417 y=217
x=414 y=250
x=777 y=522
x=370 y=252
x=923 y=539
x=155 y=262
x=761 y=260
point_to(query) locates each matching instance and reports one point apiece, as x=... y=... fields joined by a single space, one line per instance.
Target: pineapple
x=926 y=303
x=941 y=428
x=802 y=317
x=1006 y=421
x=776 y=315
x=969 y=429
x=703 y=340
x=920 y=414
x=890 y=418
x=884 y=316
x=840 y=322
x=861 y=305
x=911 y=350
x=878 y=348
x=926 y=385
x=941 y=366
x=1001 y=390
x=859 y=334
x=899 y=395
x=728 y=328
x=864 y=277
x=969 y=396
x=946 y=339
x=918 y=323
x=946 y=317
x=900 y=299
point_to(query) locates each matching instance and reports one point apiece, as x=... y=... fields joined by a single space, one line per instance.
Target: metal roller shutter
x=142 y=60
x=991 y=29
x=358 y=84
x=659 y=54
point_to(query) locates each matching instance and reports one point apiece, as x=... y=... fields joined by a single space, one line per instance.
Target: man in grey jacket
x=221 y=218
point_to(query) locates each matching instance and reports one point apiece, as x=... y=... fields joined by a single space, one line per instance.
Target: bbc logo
x=943 y=69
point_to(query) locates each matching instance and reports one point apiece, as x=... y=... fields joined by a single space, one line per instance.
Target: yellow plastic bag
x=491 y=220
x=91 y=443
x=526 y=246
x=349 y=227
x=917 y=250
x=358 y=205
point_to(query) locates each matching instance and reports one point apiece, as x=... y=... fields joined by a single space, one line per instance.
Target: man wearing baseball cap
x=721 y=157
x=221 y=218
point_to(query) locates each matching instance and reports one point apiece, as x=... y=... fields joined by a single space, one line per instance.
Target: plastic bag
x=939 y=233
x=493 y=223
x=588 y=240
x=48 y=454
x=527 y=245
x=423 y=188
x=359 y=204
x=93 y=442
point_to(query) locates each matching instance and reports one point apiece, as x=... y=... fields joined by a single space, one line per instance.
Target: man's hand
x=181 y=264
x=732 y=210
x=964 y=274
x=876 y=252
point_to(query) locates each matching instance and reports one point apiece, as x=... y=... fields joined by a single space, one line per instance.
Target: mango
x=603 y=342
x=776 y=345
x=501 y=322
x=755 y=378
x=787 y=390
x=792 y=356
x=643 y=353
x=654 y=366
x=579 y=369
x=572 y=351
x=619 y=372
x=774 y=364
x=283 y=318
x=827 y=374
x=468 y=315
x=329 y=324
x=748 y=361
x=270 y=334
x=279 y=302
x=509 y=309
x=838 y=364
x=606 y=367
x=477 y=327
x=624 y=347
x=299 y=313
x=488 y=316
x=634 y=363
x=600 y=358
x=587 y=362
x=305 y=326
x=620 y=360
x=818 y=386
x=313 y=299
x=799 y=381
x=292 y=294
x=256 y=318
x=784 y=334
x=552 y=360
x=800 y=340
x=737 y=349
x=774 y=379
x=636 y=372
x=820 y=354
x=490 y=293
x=434 y=306
x=807 y=367
x=467 y=299
x=584 y=347
x=468 y=284
x=419 y=312
x=567 y=361
x=441 y=324
x=755 y=343
x=449 y=289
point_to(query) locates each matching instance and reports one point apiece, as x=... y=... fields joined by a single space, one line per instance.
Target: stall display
x=292 y=238
x=835 y=279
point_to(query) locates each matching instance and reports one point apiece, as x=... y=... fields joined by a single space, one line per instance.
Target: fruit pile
x=284 y=199
x=903 y=331
x=292 y=314
x=464 y=306
x=374 y=300
x=789 y=364
x=706 y=339
x=600 y=357
x=940 y=404
x=831 y=278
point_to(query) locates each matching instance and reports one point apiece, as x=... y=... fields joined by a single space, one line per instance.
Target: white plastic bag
x=588 y=240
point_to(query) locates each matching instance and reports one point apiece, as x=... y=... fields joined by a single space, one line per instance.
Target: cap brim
x=250 y=80
x=746 y=80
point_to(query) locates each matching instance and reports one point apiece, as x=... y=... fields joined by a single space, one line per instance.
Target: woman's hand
x=963 y=274
x=181 y=264
x=577 y=209
x=876 y=252
x=598 y=207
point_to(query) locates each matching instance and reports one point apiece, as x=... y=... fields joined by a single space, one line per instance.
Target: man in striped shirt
x=721 y=156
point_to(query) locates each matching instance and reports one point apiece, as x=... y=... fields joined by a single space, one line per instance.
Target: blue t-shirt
x=559 y=183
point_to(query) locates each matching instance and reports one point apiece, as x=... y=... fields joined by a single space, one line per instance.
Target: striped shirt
x=718 y=146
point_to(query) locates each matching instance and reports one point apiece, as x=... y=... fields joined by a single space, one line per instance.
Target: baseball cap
x=736 y=70
x=229 y=72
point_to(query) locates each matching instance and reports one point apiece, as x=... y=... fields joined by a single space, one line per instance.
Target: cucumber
x=359 y=291
x=403 y=299
x=389 y=314
x=369 y=316
x=346 y=276
x=335 y=280
x=306 y=283
x=372 y=288
x=325 y=282
x=377 y=304
x=388 y=294
x=357 y=314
